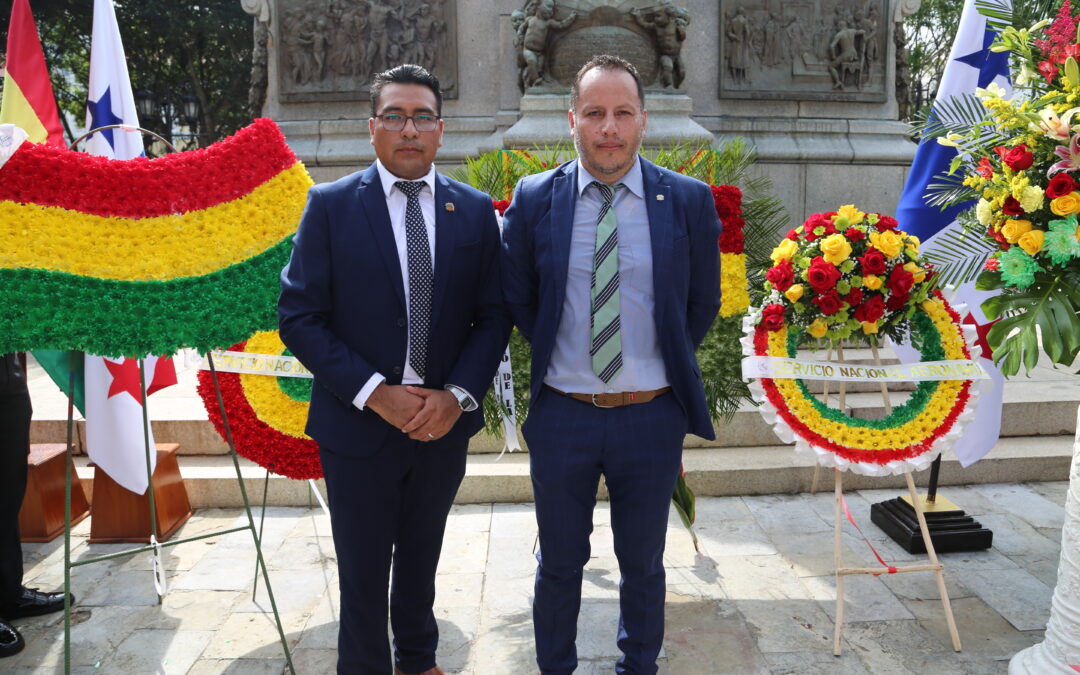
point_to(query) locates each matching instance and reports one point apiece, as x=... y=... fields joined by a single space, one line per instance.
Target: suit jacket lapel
x=373 y=200
x=563 y=201
x=446 y=226
x=661 y=209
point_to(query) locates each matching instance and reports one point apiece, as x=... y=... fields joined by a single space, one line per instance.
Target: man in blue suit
x=392 y=300
x=611 y=270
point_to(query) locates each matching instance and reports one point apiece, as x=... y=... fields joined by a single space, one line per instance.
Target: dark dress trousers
x=342 y=312
x=15 y=414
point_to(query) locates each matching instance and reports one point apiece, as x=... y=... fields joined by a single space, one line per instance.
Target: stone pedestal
x=1059 y=652
x=544 y=121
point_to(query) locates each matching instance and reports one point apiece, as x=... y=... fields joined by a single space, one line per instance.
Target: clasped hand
x=423 y=414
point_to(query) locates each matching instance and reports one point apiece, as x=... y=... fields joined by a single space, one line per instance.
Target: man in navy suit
x=611 y=270
x=392 y=300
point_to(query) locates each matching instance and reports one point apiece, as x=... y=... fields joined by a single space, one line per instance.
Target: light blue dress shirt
x=570 y=369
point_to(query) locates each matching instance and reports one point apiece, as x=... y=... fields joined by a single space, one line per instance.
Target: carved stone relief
x=554 y=38
x=330 y=49
x=804 y=49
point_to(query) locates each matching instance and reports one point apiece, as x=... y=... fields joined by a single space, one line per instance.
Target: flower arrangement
x=845 y=273
x=1019 y=163
x=734 y=295
x=146 y=255
x=266 y=414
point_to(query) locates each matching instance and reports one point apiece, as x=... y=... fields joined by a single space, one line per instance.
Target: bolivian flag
x=146 y=256
x=28 y=96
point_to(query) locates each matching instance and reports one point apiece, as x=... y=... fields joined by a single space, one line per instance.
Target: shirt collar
x=632 y=180
x=388 y=179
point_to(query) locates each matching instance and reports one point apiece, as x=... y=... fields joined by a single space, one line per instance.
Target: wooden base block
x=120 y=515
x=41 y=517
x=951 y=530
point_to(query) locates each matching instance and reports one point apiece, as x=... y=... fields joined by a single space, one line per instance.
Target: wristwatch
x=464 y=400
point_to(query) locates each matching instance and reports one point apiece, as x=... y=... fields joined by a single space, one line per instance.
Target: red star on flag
x=125 y=376
x=982 y=330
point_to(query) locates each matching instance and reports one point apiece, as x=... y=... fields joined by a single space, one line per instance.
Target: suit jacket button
x=401 y=323
x=397 y=370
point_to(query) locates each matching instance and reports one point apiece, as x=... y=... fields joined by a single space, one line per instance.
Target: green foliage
x=720 y=355
x=1049 y=304
x=175 y=48
x=961 y=253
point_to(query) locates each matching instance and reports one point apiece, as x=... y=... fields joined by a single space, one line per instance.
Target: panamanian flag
x=971 y=65
x=114 y=414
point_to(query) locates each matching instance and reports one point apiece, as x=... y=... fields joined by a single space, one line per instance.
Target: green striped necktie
x=606 y=346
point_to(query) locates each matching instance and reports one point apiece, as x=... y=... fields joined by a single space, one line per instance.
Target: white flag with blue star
x=110 y=100
x=114 y=424
x=971 y=64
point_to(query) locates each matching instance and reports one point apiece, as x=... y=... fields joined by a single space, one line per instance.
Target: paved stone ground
x=758 y=598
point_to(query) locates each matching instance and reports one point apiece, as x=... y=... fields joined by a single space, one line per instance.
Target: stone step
x=1044 y=404
x=211 y=480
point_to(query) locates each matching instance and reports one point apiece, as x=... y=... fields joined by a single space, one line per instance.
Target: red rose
x=815 y=221
x=871 y=310
x=873 y=261
x=1011 y=207
x=781 y=276
x=986 y=170
x=896 y=302
x=1060 y=185
x=992 y=265
x=886 y=223
x=772 y=316
x=900 y=281
x=828 y=303
x=1018 y=158
x=854 y=297
x=822 y=274
x=793 y=235
x=853 y=234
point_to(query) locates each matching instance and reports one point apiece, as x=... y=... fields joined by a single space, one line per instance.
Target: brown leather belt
x=614 y=400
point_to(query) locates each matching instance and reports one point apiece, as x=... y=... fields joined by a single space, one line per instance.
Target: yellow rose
x=888 y=242
x=818 y=328
x=872 y=282
x=1013 y=229
x=1066 y=204
x=869 y=327
x=913 y=244
x=794 y=292
x=853 y=215
x=1032 y=198
x=915 y=271
x=784 y=251
x=1031 y=241
x=835 y=248
x=984 y=211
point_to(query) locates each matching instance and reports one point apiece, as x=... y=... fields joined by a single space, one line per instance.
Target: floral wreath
x=266 y=414
x=933 y=417
x=146 y=256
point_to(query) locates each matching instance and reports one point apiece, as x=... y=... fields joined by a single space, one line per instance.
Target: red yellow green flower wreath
x=266 y=414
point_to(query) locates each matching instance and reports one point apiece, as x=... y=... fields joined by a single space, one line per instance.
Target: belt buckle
x=598 y=405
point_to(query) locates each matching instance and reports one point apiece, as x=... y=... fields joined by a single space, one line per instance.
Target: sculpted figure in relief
x=535 y=25
x=738 y=47
x=668 y=24
x=846 y=50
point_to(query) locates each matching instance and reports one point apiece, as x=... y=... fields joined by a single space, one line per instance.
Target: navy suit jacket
x=686 y=271
x=342 y=305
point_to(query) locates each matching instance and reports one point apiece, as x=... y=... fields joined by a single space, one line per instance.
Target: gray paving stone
x=1015 y=536
x=295 y=591
x=814 y=663
x=699 y=632
x=1055 y=491
x=268 y=666
x=866 y=598
x=1016 y=595
x=734 y=537
x=458 y=630
x=785 y=514
x=1025 y=503
x=903 y=647
x=985 y=635
x=216 y=573
x=314 y=660
x=158 y=651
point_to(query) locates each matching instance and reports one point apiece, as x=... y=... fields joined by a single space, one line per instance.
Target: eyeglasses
x=423 y=122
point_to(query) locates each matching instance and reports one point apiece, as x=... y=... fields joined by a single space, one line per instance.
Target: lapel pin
x=659 y=198
x=450 y=206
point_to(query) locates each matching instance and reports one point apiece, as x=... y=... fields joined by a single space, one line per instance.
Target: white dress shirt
x=396 y=202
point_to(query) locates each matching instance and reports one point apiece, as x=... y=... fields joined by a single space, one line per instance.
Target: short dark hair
x=606 y=62
x=406 y=73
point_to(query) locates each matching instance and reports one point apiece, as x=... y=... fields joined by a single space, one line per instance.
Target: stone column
x=1059 y=652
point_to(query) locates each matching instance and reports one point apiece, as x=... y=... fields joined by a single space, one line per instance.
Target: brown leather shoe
x=430 y=671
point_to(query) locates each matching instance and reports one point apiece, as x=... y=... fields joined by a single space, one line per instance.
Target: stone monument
x=809 y=83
